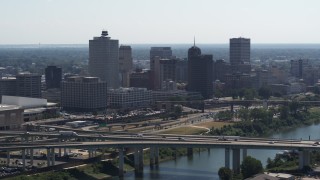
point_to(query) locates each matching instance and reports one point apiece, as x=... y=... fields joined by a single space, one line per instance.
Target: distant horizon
x=172 y=45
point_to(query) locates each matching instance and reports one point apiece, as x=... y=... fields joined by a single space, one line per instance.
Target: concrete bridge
x=231 y=144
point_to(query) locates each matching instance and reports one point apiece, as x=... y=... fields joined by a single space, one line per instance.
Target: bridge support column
x=8 y=158
x=48 y=157
x=140 y=159
x=53 y=157
x=189 y=151
x=121 y=162
x=95 y=153
x=110 y=127
x=227 y=157
x=236 y=160
x=304 y=158
x=156 y=155
x=64 y=151
x=136 y=159
x=90 y=153
x=31 y=157
x=231 y=107
x=244 y=153
x=59 y=148
x=152 y=156
x=23 y=159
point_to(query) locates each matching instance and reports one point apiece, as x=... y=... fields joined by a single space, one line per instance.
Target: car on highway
x=271 y=142
x=181 y=139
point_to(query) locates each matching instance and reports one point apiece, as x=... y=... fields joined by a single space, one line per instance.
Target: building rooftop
x=5 y=107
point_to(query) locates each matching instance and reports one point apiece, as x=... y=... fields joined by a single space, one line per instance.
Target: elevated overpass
x=122 y=141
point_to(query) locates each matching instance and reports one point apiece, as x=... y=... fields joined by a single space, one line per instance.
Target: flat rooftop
x=4 y=107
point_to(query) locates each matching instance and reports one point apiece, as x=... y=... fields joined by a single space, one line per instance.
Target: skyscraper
x=162 y=52
x=240 y=55
x=156 y=54
x=53 y=77
x=200 y=72
x=29 y=85
x=125 y=64
x=104 y=59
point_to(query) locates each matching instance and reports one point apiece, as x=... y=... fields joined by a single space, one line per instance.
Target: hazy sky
x=159 y=21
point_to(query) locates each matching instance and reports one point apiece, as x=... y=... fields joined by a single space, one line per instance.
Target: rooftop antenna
x=194 y=40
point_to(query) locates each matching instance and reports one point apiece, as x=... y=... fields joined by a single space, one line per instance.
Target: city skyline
x=159 y=22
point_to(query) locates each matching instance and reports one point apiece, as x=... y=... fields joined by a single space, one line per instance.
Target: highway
x=161 y=140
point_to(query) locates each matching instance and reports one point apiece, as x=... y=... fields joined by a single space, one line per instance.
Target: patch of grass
x=215 y=124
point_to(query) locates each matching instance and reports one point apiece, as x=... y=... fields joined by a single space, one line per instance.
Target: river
x=205 y=165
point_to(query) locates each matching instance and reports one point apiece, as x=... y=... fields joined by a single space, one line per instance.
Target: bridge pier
x=227 y=157
x=136 y=159
x=64 y=151
x=31 y=157
x=236 y=160
x=53 y=157
x=152 y=156
x=156 y=155
x=189 y=151
x=140 y=159
x=23 y=159
x=121 y=162
x=244 y=153
x=110 y=127
x=8 y=157
x=48 y=157
x=304 y=158
x=231 y=107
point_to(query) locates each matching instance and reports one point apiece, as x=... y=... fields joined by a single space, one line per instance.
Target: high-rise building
x=53 y=75
x=80 y=93
x=182 y=71
x=157 y=53
x=162 y=52
x=29 y=85
x=297 y=67
x=240 y=55
x=125 y=64
x=221 y=68
x=8 y=86
x=104 y=59
x=200 y=72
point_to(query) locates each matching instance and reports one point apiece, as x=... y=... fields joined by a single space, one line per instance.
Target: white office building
x=131 y=98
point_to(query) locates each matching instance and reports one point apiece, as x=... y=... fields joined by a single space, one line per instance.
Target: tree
x=265 y=92
x=225 y=173
x=250 y=166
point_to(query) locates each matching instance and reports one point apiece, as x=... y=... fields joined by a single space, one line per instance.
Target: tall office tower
x=157 y=53
x=200 y=72
x=29 y=85
x=167 y=71
x=104 y=59
x=221 y=68
x=125 y=64
x=53 y=77
x=8 y=86
x=297 y=67
x=162 y=52
x=83 y=94
x=240 y=55
x=182 y=71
